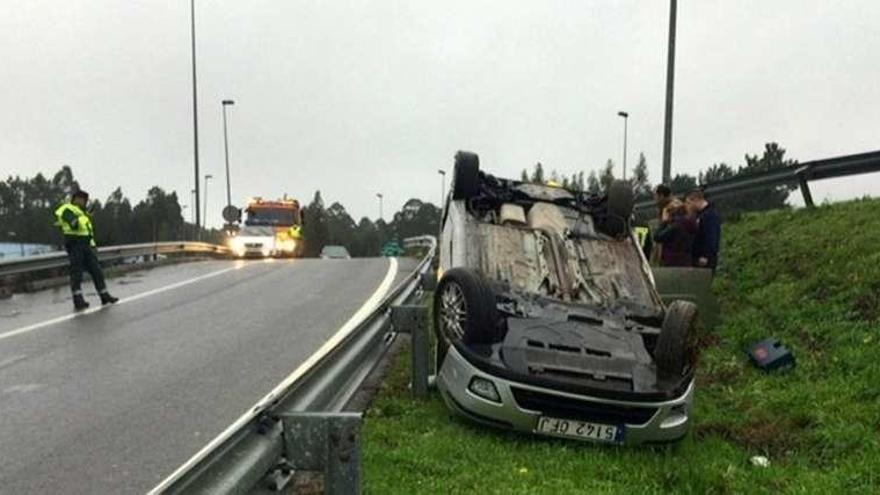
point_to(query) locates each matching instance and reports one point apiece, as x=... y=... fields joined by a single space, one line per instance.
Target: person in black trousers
x=707 y=241
x=79 y=242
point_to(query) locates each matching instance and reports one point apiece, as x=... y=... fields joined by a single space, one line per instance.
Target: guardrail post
x=805 y=187
x=413 y=320
x=328 y=442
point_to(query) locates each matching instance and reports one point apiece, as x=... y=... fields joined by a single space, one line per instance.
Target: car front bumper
x=643 y=421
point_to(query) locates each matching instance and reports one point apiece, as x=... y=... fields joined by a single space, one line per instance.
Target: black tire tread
x=466 y=176
x=675 y=346
x=620 y=204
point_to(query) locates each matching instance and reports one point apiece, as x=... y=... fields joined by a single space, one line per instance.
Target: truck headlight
x=287 y=245
x=236 y=244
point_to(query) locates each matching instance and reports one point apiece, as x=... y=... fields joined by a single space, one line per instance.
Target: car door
x=689 y=284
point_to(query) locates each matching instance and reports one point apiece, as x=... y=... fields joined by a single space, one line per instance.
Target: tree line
x=761 y=198
x=334 y=226
x=27 y=206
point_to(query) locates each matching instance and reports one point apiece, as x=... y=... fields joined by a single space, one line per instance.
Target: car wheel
x=621 y=201
x=675 y=348
x=464 y=310
x=466 y=176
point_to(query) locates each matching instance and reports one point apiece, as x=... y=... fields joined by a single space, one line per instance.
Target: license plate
x=582 y=430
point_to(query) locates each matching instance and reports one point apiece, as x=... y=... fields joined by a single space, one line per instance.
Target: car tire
x=675 y=349
x=620 y=204
x=466 y=176
x=464 y=310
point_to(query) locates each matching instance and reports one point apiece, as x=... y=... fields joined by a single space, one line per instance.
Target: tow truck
x=271 y=229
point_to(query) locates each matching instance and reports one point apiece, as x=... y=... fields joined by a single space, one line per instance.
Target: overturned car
x=548 y=319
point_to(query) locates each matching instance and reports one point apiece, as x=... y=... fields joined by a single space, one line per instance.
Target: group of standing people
x=689 y=233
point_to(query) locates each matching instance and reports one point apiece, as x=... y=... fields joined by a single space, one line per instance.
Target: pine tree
x=607 y=176
x=593 y=186
x=538 y=174
x=639 y=179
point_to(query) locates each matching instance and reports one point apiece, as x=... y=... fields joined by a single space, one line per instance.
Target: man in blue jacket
x=707 y=240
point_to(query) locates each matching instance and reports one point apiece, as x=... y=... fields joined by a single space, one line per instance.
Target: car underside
x=546 y=291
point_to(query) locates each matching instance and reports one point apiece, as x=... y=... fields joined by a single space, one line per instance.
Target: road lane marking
x=153 y=292
x=368 y=307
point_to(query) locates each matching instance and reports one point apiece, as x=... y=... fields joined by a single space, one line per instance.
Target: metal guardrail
x=108 y=253
x=300 y=424
x=796 y=175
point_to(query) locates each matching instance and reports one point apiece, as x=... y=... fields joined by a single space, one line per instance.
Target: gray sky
x=355 y=98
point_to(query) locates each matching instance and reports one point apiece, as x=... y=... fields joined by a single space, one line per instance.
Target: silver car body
x=502 y=253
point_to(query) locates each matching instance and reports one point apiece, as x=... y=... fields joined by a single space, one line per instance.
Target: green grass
x=810 y=278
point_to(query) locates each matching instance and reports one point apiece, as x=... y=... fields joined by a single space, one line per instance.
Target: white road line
x=368 y=307
x=67 y=317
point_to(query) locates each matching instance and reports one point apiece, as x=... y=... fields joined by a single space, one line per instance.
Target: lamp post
x=195 y=204
x=192 y=9
x=224 y=104
x=442 y=187
x=379 y=195
x=182 y=232
x=205 y=216
x=625 y=116
x=670 y=76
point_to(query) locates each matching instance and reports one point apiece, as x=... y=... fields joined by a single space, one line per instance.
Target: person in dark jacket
x=79 y=242
x=676 y=234
x=662 y=197
x=707 y=241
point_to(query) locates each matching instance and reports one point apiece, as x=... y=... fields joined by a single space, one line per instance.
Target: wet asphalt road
x=113 y=401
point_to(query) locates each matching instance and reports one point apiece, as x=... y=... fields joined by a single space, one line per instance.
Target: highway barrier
x=302 y=423
x=797 y=175
x=15 y=266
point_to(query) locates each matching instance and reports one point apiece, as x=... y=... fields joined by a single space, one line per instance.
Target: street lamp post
x=625 y=116
x=205 y=216
x=379 y=195
x=224 y=104
x=192 y=8
x=442 y=187
x=670 y=76
x=182 y=232
x=195 y=204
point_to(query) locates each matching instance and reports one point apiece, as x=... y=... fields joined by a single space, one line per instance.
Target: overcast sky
x=357 y=97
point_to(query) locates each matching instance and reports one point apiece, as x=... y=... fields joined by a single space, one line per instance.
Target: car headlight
x=485 y=389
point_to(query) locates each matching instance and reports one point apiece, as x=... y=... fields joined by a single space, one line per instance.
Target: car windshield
x=257 y=231
x=334 y=251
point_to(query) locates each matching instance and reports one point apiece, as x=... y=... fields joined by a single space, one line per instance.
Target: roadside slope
x=809 y=278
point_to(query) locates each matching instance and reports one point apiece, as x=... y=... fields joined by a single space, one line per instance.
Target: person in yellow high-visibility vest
x=295 y=232
x=79 y=242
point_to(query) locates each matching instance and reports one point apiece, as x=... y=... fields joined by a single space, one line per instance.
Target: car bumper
x=253 y=253
x=648 y=421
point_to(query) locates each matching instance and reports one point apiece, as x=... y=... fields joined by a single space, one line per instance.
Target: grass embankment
x=810 y=278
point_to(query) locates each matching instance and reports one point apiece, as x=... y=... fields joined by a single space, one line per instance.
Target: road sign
x=231 y=214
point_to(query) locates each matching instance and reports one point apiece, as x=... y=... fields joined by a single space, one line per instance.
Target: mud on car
x=548 y=319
